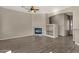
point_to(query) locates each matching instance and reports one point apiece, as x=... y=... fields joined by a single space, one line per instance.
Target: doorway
x=69 y=24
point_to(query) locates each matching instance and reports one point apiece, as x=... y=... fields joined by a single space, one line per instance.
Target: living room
x=45 y=30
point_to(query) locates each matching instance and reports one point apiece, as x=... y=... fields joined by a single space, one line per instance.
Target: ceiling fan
x=32 y=9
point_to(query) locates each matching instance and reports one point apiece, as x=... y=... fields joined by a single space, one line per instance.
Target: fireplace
x=38 y=31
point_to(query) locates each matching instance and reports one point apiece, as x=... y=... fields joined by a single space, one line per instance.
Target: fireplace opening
x=38 y=30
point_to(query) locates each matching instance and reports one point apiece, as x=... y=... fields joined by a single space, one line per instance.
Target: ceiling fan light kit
x=32 y=9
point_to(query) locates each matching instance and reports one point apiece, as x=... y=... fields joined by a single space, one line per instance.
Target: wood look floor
x=34 y=44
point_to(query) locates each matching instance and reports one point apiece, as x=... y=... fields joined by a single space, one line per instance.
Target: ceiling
x=42 y=9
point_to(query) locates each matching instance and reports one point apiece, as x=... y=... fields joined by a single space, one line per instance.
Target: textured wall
x=13 y=24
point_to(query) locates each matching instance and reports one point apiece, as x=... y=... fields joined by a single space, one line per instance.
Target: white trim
x=15 y=37
x=76 y=43
x=27 y=35
x=51 y=36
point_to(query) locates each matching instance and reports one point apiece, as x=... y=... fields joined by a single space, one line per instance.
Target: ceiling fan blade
x=29 y=11
x=25 y=8
x=36 y=9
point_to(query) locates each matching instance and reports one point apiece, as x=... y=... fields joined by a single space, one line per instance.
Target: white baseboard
x=14 y=37
x=26 y=35
x=51 y=36
x=76 y=43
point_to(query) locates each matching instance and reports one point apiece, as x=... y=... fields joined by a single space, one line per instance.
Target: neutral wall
x=0 y=26
x=39 y=20
x=14 y=24
x=75 y=11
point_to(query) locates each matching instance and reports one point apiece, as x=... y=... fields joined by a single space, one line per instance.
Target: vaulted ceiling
x=42 y=9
